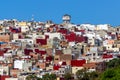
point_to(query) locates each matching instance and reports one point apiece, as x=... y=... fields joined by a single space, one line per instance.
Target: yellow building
x=22 y=24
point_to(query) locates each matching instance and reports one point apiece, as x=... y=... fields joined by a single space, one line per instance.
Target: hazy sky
x=81 y=11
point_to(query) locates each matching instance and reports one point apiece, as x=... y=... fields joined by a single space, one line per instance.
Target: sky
x=81 y=11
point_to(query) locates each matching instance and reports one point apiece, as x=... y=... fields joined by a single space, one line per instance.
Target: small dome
x=66 y=17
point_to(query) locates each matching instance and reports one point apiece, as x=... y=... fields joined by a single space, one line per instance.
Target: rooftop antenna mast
x=32 y=19
x=32 y=22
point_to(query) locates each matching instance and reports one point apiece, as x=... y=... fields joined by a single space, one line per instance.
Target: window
x=60 y=71
x=4 y=72
x=93 y=54
x=88 y=49
x=31 y=56
x=56 y=59
x=92 y=67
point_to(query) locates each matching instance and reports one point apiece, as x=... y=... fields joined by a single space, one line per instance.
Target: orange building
x=5 y=37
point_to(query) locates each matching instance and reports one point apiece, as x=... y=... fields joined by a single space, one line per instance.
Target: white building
x=21 y=64
x=102 y=27
x=88 y=26
x=4 y=70
x=11 y=79
x=53 y=35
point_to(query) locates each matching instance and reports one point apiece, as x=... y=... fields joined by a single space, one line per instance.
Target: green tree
x=49 y=77
x=31 y=77
x=46 y=77
x=111 y=74
x=39 y=79
x=67 y=76
x=108 y=75
x=85 y=75
x=53 y=76
x=113 y=63
x=93 y=75
x=82 y=75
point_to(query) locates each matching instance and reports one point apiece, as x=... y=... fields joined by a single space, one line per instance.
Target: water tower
x=66 y=18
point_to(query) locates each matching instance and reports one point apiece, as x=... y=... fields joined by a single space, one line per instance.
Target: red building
x=56 y=67
x=106 y=56
x=27 y=51
x=15 y=30
x=41 y=52
x=80 y=38
x=42 y=41
x=1 y=52
x=70 y=37
x=49 y=58
x=78 y=63
x=63 y=31
x=3 y=77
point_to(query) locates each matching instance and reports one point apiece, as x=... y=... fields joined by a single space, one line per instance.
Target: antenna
x=32 y=19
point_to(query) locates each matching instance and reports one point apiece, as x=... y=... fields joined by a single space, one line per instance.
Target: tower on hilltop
x=66 y=18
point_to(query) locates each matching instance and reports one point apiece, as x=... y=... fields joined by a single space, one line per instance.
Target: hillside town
x=33 y=47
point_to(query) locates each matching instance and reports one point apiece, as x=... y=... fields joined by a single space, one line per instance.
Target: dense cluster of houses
x=29 y=47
